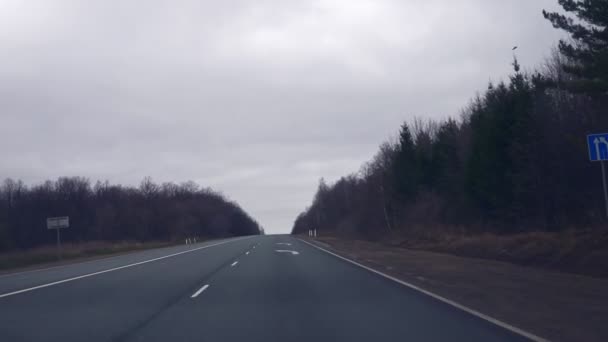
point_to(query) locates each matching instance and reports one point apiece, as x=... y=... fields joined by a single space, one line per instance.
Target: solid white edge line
x=19 y=273
x=114 y=269
x=438 y=297
x=234 y=264
x=75 y=262
x=199 y=291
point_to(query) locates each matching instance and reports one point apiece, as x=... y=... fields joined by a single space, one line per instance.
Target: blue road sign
x=598 y=146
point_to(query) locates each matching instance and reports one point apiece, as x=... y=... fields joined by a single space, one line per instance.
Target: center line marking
x=234 y=264
x=247 y=253
x=199 y=291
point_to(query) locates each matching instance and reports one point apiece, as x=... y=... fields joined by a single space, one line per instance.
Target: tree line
x=515 y=160
x=104 y=211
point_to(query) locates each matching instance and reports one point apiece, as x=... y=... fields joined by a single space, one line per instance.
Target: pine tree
x=446 y=160
x=588 y=50
x=406 y=174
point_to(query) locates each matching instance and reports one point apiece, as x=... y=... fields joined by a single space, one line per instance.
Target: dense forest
x=103 y=211
x=515 y=160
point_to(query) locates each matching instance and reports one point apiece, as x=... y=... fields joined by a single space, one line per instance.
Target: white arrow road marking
x=284 y=243
x=199 y=291
x=286 y=251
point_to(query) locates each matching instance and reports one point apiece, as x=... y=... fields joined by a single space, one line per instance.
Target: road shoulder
x=79 y=258
x=558 y=306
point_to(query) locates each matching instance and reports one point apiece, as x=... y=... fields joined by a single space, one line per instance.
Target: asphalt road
x=243 y=289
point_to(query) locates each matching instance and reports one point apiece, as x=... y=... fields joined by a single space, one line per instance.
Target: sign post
x=58 y=223
x=605 y=187
x=598 y=152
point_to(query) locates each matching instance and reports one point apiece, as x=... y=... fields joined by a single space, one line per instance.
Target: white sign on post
x=58 y=222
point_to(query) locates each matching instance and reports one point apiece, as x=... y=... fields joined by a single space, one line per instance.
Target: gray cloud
x=258 y=99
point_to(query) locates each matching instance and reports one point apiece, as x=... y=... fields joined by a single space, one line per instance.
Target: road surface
x=266 y=288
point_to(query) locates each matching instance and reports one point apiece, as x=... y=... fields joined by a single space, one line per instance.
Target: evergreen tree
x=523 y=173
x=405 y=168
x=588 y=50
x=499 y=123
x=446 y=164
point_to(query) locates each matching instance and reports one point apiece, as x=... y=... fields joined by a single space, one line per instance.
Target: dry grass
x=581 y=251
x=578 y=251
x=71 y=251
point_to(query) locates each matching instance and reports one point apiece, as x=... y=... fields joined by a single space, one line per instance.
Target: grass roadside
x=46 y=256
x=575 y=251
x=558 y=306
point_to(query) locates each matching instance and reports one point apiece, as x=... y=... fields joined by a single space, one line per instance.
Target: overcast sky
x=257 y=99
